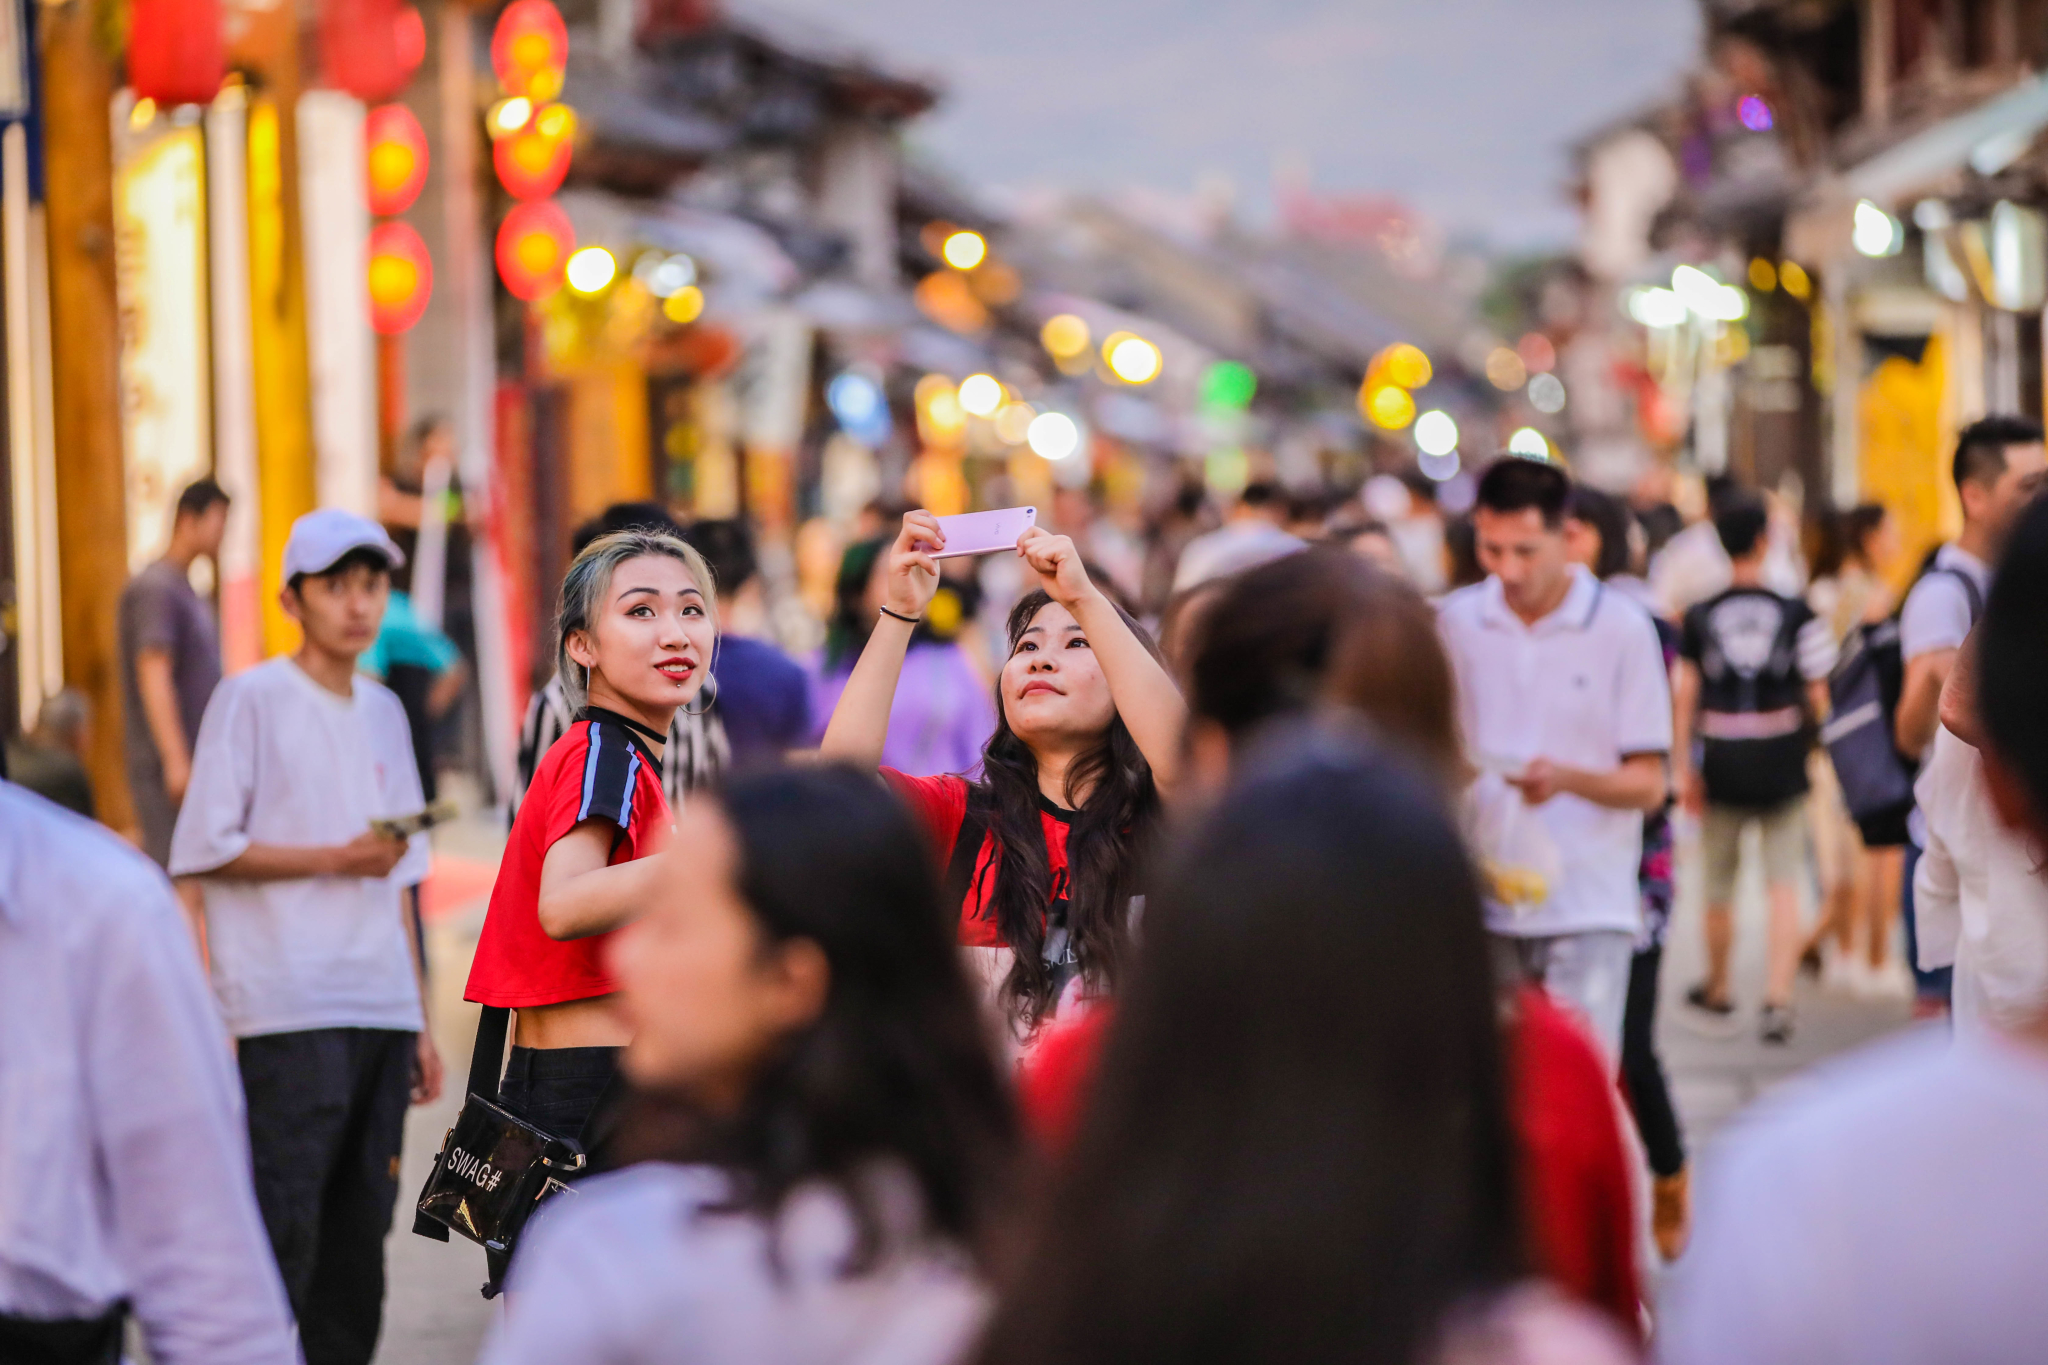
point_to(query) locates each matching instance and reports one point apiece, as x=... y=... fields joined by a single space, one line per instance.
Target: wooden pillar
x=1878 y=42
x=92 y=548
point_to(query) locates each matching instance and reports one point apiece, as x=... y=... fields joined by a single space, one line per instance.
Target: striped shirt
x=696 y=753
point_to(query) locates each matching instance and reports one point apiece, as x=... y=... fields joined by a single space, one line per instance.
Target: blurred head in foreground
x=2012 y=680
x=1298 y=1148
x=799 y=1011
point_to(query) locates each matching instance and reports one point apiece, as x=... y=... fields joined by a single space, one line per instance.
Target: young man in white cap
x=312 y=958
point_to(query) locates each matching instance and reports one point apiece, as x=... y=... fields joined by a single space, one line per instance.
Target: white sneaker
x=1890 y=982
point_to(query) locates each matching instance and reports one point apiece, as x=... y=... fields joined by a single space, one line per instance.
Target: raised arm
x=860 y=722
x=1150 y=705
x=579 y=894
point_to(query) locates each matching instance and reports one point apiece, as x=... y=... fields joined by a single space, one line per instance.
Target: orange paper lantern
x=532 y=162
x=370 y=48
x=401 y=277
x=534 y=244
x=530 y=49
x=395 y=159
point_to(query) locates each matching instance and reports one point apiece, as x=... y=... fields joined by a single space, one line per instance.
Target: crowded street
x=740 y=682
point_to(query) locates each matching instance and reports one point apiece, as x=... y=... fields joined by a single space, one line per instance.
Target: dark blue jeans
x=1927 y=985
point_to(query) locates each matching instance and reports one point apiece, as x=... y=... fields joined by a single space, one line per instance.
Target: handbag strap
x=487 y=1061
x=966 y=854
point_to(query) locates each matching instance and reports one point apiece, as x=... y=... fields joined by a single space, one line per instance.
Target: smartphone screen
x=982 y=533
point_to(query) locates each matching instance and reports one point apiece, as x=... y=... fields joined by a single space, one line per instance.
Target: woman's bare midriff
x=573 y=1023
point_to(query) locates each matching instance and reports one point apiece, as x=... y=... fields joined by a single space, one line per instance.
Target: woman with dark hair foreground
x=836 y=1134
x=1298 y=1148
x=1042 y=851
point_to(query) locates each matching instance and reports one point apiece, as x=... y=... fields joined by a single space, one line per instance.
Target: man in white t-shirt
x=1563 y=697
x=312 y=955
x=1998 y=465
x=1893 y=1209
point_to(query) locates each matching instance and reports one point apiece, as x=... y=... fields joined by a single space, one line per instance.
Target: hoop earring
x=705 y=711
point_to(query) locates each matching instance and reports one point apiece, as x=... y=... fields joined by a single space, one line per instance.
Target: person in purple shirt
x=764 y=696
x=944 y=711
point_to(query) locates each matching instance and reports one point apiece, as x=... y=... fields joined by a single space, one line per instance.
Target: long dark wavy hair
x=897 y=1065
x=1297 y=1149
x=1105 y=839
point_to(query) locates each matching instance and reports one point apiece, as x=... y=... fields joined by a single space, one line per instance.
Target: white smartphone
x=983 y=533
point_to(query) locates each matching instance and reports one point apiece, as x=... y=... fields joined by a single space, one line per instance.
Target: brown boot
x=1671 y=1212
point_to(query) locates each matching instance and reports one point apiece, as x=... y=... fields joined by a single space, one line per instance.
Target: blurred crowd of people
x=1250 y=950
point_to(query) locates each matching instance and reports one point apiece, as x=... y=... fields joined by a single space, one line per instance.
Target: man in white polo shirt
x=1561 y=691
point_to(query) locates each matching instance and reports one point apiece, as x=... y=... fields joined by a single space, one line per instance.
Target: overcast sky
x=1463 y=107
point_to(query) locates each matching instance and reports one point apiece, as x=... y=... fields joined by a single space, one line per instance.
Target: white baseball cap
x=319 y=539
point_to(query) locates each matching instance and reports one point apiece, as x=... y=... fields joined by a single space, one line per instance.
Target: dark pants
x=326 y=1122
x=1930 y=985
x=558 y=1090
x=1649 y=1094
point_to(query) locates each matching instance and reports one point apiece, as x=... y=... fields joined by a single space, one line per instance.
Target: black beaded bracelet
x=907 y=620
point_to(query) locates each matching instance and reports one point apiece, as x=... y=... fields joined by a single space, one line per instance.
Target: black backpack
x=1863 y=708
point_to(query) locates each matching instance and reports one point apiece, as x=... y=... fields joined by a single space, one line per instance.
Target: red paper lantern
x=532 y=162
x=401 y=277
x=530 y=49
x=534 y=244
x=395 y=159
x=370 y=48
x=177 y=50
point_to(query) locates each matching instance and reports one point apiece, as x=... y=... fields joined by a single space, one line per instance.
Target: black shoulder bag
x=494 y=1168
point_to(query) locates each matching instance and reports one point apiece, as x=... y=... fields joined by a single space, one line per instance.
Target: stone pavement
x=434 y=1315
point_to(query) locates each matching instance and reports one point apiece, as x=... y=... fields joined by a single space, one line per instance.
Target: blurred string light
x=1403 y=365
x=1436 y=434
x=1053 y=435
x=1131 y=358
x=1529 y=442
x=1706 y=296
x=964 y=250
x=1875 y=232
x=938 y=408
x=1228 y=386
x=1505 y=370
x=508 y=116
x=1793 y=276
x=664 y=275
x=981 y=394
x=1546 y=393
x=857 y=401
x=684 y=306
x=1013 y=423
x=1754 y=113
x=1763 y=276
x=1065 y=336
x=1388 y=406
x=591 y=270
x=1655 y=307
x=143 y=114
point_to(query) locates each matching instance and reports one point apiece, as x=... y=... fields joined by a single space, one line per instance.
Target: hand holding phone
x=984 y=533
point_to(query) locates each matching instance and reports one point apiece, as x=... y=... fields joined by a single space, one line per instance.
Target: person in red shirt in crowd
x=637 y=628
x=1329 y=633
x=1300 y=1147
x=1042 y=850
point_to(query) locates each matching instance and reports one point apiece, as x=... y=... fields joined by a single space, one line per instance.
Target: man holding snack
x=297 y=760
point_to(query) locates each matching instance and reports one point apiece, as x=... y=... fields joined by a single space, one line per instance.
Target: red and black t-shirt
x=599 y=769
x=941 y=805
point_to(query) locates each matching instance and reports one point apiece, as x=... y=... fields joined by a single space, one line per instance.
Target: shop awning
x=1987 y=139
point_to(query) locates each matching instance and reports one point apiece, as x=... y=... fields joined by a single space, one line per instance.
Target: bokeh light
x=1654 y=307
x=1505 y=370
x=1053 y=435
x=965 y=250
x=1388 y=406
x=1402 y=365
x=1536 y=352
x=1546 y=393
x=1013 y=423
x=663 y=275
x=508 y=116
x=684 y=306
x=1131 y=358
x=1438 y=467
x=1754 y=113
x=1707 y=296
x=591 y=270
x=1228 y=385
x=981 y=394
x=1875 y=232
x=1530 y=442
x=1763 y=276
x=1795 y=279
x=1436 y=433
x=1065 y=335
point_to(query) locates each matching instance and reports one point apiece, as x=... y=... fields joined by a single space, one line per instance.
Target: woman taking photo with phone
x=825 y=1137
x=1042 y=850
x=634 y=643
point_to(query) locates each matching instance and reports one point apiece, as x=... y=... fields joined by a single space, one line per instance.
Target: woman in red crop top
x=1088 y=728
x=635 y=642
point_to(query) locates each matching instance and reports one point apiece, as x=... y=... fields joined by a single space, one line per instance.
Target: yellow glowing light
x=939 y=414
x=1013 y=423
x=1065 y=335
x=1403 y=366
x=555 y=121
x=686 y=305
x=1529 y=442
x=1793 y=276
x=1388 y=406
x=509 y=116
x=981 y=394
x=143 y=114
x=1763 y=276
x=1131 y=358
x=1505 y=370
x=591 y=269
x=392 y=279
x=965 y=250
